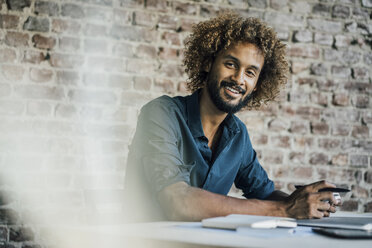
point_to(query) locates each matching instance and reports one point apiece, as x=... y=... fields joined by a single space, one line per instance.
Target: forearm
x=182 y=202
x=277 y=195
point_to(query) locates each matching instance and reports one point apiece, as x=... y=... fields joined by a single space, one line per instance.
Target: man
x=188 y=151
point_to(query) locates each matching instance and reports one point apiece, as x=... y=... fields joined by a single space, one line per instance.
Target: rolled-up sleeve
x=157 y=146
x=252 y=179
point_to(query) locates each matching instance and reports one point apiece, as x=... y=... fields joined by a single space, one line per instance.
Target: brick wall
x=74 y=74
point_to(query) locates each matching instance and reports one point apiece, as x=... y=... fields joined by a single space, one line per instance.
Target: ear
x=207 y=67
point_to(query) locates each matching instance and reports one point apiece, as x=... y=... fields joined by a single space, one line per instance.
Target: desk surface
x=192 y=234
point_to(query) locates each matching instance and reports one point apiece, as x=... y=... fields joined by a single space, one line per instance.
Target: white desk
x=192 y=234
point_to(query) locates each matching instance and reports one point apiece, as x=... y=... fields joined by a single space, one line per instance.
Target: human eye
x=251 y=73
x=230 y=64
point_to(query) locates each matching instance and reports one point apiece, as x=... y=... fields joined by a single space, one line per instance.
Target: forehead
x=244 y=52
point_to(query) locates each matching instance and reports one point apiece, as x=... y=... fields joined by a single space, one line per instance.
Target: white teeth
x=232 y=90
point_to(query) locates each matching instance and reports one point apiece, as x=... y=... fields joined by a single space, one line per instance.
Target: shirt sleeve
x=252 y=179
x=156 y=144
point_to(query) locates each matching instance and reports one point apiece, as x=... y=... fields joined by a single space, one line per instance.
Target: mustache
x=233 y=85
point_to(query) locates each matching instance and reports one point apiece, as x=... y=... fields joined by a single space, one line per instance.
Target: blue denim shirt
x=170 y=146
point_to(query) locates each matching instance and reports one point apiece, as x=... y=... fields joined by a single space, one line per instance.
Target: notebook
x=234 y=221
x=356 y=223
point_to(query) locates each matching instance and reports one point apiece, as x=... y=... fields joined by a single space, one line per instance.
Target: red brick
x=72 y=10
x=309 y=112
x=328 y=143
x=171 y=38
x=359 y=87
x=210 y=10
x=124 y=50
x=368 y=176
x=299 y=127
x=13 y=73
x=259 y=139
x=7 y=55
x=168 y=22
x=303 y=172
x=368 y=207
x=95 y=79
x=65 y=60
x=319 y=128
x=341 y=71
x=134 y=99
x=133 y=33
x=90 y=96
x=39 y=108
x=299 y=66
x=340 y=159
x=36 y=24
x=145 y=19
x=142 y=83
x=43 y=42
x=187 y=24
x=16 y=39
x=278 y=125
x=67 y=77
x=11 y=107
x=309 y=81
x=367 y=117
x=147 y=67
x=319 y=98
x=182 y=88
x=48 y=8
x=273 y=157
x=360 y=132
x=168 y=53
x=360 y=73
x=185 y=8
x=318 y=158
x=340 y=99
x=172 y=70
x=66 y=111
x=66 y=26
x=159 y=5
x=340 y=130
x=146 y=51
x=132 y=3
x=39 y=92
x=123 y=17
x=304 y=51
x=106 y=64
x=69 y=44
x=41 y=75
x=95 y=46
x=361 y=101
x=33 y=57
x=164 y=85
x=349 y=205
x=119 y=81
x=9 y=21
x=95 y=30
x=297 y=157
x=281 y=141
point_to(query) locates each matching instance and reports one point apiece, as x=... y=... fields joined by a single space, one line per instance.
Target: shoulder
x=163 y=108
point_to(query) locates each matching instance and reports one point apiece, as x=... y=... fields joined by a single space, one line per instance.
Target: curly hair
x=211 y=36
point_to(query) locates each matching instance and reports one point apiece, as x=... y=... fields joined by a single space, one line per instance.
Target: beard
x=223 y=105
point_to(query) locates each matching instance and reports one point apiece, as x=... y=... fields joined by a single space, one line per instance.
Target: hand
x=307 y=203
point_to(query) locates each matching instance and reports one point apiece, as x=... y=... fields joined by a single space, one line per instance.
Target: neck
x=211 y=117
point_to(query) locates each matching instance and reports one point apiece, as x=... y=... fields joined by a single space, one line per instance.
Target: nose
x=239 y=77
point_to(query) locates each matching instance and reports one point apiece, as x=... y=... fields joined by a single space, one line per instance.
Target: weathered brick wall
x=75 y=73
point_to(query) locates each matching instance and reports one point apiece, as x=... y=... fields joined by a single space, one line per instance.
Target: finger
x=326 y=196
x=323 y=206
x=322 y=184
x=332 y=209
x=326 y=214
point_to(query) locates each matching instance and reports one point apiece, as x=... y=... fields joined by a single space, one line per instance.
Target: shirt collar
x=194 y=121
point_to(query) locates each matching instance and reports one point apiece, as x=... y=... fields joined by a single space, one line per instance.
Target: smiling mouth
x=233 y=87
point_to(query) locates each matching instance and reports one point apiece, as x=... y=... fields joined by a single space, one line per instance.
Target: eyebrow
x=237 y=60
